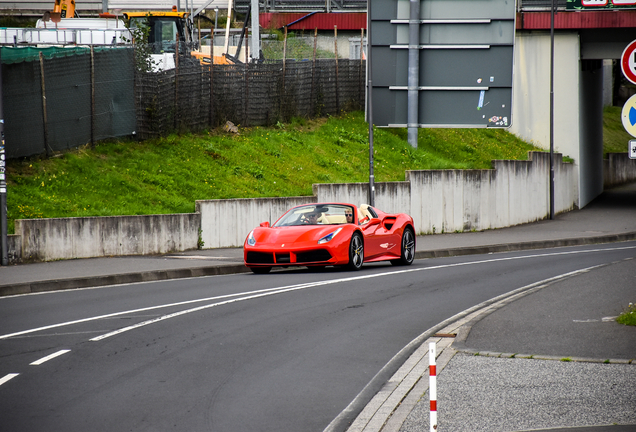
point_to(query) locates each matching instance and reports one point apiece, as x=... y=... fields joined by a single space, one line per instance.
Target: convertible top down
x=331 y=234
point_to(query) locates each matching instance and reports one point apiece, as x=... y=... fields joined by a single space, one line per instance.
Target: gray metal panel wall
x=465 y=62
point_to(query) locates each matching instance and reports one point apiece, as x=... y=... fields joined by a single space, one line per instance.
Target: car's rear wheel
x=407 y=254
x=260 y=270
x=356 y=252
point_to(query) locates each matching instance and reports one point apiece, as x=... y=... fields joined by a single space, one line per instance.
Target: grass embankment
x=167 y=175
x=628 y=317
x=615 y=138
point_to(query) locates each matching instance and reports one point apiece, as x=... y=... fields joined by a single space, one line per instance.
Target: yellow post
x=66 y=8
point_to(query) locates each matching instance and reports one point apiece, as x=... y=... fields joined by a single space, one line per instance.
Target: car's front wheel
x=356 y=252
x=407 y=254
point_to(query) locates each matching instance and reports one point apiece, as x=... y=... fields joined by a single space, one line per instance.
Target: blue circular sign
x=628 y=116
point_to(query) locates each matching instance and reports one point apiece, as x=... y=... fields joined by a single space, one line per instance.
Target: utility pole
x=3 y=182
x=370 y=108
x=413 y=72
x=552 y=9
x=256 y=32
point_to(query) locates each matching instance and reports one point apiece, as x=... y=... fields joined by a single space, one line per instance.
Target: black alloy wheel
x=356 y=252
x=407 y=254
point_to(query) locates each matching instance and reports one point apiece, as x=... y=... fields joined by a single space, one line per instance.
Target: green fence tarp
x=12 y=55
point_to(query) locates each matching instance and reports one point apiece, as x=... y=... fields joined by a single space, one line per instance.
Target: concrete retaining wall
x=226 y=223
x=618 y=169
x=512 y=193
x=67 y=238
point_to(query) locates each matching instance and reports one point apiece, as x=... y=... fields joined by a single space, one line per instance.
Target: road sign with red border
x=628 y=62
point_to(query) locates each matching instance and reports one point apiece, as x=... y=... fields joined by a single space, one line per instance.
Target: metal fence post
x=3 y=182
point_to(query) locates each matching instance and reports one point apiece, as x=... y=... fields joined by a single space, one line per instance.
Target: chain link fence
x=61 y=99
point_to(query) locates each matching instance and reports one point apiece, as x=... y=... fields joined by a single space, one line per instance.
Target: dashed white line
x=8 y=377
x=49 y=357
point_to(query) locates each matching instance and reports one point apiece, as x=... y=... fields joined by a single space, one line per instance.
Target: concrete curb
x=94 y=281
x=156 y=275
x=511 y=247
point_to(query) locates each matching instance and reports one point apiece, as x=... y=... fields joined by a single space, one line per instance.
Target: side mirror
x=264 y=224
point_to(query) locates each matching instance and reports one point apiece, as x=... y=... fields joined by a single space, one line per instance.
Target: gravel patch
x=477 y=393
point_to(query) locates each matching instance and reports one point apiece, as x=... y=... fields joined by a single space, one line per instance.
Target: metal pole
x=335 y=44
x=212 y=77
x=370 y=107
x=230 y=5
x=361 y=64
x=176 y=80
x=3 y=182
x=44 y=114
x=256 y=32
x=552 y=109
x=92 y=96
x=313 y=72
x=413 y=72
x=216 y=21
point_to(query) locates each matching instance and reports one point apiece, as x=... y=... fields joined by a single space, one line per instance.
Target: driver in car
x=312 y=218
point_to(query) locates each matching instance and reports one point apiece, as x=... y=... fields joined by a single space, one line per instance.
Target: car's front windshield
x=317 y=214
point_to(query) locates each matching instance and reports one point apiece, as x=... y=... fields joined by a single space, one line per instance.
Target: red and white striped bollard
x=432 y=384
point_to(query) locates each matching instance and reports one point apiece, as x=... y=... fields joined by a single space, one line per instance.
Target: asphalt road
x=282 y=352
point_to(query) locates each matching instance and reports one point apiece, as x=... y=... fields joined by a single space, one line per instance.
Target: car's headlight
x=328 y=237
x=250 y=239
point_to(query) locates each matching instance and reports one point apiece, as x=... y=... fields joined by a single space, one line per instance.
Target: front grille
x=260 y=258
x=313 y=256
x=282 y=258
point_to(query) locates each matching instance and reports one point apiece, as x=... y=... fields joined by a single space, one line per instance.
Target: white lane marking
x=594 y=320
x=118 y=314
x=302 y=286
x=296 y=288
x=187 y=311
x=8 y=377
x=49 y=357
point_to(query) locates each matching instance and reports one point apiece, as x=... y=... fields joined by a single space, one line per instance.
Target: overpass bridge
x=583 y=40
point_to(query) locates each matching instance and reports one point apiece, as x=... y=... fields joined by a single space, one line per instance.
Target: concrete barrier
x=512 y=193
x=618 y=169
x=85 y=237
x=227 y=222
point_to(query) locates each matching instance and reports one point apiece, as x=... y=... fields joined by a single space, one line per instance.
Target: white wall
x=531 y=93
x=228 y=222
x=85 y=237
x=512 y=193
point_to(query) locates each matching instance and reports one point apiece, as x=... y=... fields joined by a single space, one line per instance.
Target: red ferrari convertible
x=337 y=234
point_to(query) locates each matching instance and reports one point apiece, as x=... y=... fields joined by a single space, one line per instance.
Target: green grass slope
x=167 y=175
